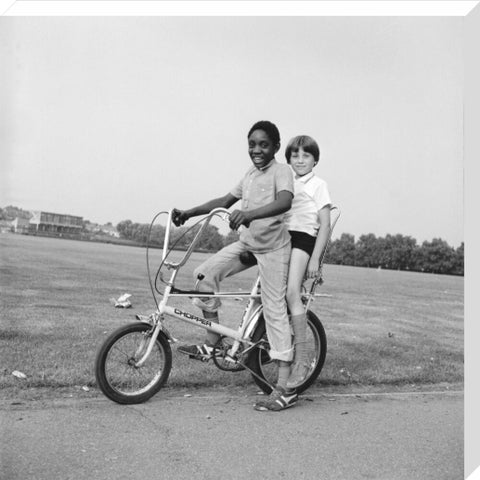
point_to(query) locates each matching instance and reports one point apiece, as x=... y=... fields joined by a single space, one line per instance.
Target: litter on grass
x=18 y=374
x=122 y=301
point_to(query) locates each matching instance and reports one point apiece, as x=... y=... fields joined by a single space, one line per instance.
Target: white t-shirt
x=311 y=195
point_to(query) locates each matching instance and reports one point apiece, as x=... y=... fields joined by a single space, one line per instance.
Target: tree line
x=397 y=252
x=392 y=252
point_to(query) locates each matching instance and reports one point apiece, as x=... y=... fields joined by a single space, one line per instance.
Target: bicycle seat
x=248 y=258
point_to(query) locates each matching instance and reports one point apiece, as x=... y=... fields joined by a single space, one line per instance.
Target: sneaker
x=298 y=374
x=279 y=399
x=197 y=352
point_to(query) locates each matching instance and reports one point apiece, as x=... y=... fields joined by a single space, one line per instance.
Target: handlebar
x=223 y=213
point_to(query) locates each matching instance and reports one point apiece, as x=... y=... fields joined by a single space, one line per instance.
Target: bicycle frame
x=250 y=316
x=251 y=313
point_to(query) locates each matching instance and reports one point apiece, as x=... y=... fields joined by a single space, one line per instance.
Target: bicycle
x=134 y=362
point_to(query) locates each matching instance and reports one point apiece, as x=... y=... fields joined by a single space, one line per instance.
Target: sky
x=114 y=118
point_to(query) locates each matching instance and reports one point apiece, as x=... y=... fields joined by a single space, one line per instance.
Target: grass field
x=384 y=328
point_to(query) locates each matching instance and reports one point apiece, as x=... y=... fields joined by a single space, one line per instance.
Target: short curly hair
x=269 y=128
x=308 y=144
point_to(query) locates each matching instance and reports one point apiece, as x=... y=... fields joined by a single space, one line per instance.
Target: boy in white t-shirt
x=308 y=222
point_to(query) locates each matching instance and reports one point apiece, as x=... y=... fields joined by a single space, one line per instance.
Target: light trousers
x=273 y=271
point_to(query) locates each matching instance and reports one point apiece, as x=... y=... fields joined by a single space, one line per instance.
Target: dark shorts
x=303 y=241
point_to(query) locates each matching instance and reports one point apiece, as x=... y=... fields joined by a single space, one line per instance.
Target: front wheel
x=266 y=369
x=116 y=370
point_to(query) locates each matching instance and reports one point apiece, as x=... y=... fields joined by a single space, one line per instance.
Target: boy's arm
x=320 y=243
x=179 y=217
x=281 y=204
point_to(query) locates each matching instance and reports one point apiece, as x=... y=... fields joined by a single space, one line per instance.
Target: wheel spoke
x=116 y=347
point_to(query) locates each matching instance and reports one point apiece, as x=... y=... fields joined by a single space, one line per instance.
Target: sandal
x=279 y=399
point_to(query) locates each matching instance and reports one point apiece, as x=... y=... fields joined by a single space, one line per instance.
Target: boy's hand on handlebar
x=313 y=274
x=179 y=217
x=313 y=269
x=238 y=218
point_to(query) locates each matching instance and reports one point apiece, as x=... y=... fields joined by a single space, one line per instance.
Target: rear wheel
x=115 y=366
x=266 y=369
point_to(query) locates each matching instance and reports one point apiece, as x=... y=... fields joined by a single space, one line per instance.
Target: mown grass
x=384 y=328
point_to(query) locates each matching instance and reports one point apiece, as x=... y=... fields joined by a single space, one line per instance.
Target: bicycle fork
x=150 y=343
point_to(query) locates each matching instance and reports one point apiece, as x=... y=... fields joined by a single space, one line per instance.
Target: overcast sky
x=118 y=118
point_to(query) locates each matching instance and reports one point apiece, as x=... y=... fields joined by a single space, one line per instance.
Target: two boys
x=266 y=192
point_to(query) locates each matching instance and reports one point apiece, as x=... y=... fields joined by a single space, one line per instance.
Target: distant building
x=54 y=223
x=21 y=225
x=96 y=229
x=110 y=230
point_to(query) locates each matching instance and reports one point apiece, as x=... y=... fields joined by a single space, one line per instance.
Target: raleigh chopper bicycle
x=134 y=362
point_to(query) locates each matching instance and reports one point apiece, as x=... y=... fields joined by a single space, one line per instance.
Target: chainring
x=222 y=360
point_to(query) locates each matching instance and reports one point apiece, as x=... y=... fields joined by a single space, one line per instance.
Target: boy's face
x=302 y=162
x=261 y=149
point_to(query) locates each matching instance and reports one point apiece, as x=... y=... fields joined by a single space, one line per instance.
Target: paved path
x=218 y=436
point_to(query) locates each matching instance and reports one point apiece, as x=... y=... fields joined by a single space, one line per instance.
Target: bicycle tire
x=261 y=364
x=117 y=376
